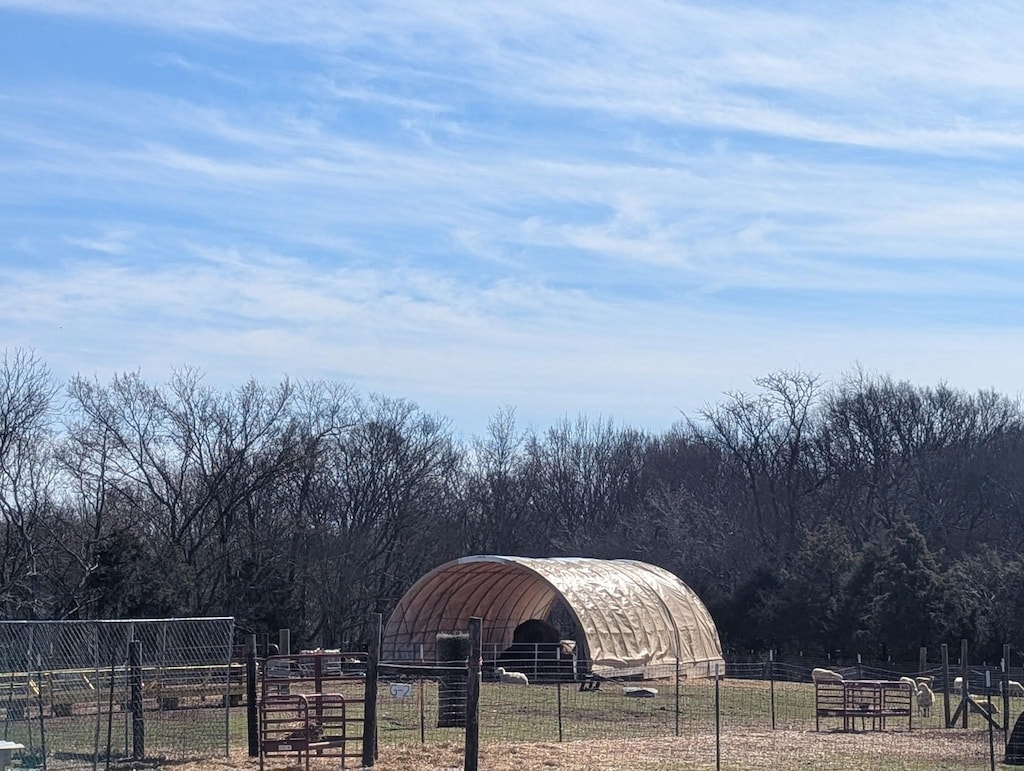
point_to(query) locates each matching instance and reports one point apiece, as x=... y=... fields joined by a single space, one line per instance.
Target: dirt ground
x=922 y=749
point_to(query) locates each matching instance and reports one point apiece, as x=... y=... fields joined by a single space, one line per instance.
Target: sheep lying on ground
x=820 y=675
x=515 y=678
x=1013 y=688
x=925 y=699
x=640 y=692
x=980 y=705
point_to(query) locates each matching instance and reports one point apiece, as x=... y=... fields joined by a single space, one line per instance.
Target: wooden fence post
x=252 y=717
x=473 y=694
x=370 y=697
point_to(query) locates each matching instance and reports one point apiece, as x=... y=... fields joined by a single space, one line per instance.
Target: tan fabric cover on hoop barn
x=633 y=617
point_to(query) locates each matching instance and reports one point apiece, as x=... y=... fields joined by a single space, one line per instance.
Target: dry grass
x=762 y=749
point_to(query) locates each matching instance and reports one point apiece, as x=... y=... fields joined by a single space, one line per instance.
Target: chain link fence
x=66 y=690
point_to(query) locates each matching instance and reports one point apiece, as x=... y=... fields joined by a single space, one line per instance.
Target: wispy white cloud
x=615 y=208
x=667 y=208
x=111 y=241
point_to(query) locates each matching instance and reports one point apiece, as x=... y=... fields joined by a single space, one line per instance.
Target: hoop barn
x=626 y=617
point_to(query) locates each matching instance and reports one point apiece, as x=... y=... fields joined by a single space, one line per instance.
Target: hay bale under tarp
x=1015 y=747
x=452 y=651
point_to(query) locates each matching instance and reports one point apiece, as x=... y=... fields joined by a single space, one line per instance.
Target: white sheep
x=1013 y=688
x=958 y=685
x=820 y=675
x=925 y=699
x=980 y=705
x=515 y=678
x=911 y=688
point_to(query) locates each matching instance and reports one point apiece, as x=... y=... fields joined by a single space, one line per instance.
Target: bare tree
x=184 y=462
x=389 y=507
x=27 y=393
x=496 y=491
x=769 y=439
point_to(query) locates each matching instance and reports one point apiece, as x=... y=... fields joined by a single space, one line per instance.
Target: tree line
x=863 y=516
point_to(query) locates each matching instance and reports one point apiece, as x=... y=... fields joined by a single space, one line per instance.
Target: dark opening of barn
x=561 y=618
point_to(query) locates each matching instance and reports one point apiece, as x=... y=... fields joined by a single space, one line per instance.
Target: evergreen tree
x=749 y=620
x=813 y=586
x=985 y=602
x=906 y=594
x=129 y=581
x=853 y=617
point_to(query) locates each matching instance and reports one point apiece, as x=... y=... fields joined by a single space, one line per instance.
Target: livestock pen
x=558 y=726
x=756 y=715
x=524 y=728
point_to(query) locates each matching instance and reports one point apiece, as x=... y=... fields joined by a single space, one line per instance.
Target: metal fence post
x=945 y=681
x=558 y=697
x=991 y=742
x=718 y=724
x=42 y=709
x=965 y=673
x=135 y=678
x=1006 y=689
x=677 y=695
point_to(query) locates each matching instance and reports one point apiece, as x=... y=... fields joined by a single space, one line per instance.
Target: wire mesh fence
x=66 y=689
x=754 y=716
x=63 y=692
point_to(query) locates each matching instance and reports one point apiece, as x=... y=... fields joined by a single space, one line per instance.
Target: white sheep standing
x=958 y=685
x=1013 y=688
x=515 y=678
x=911 y=686
x=820 y=675
x=925 y=699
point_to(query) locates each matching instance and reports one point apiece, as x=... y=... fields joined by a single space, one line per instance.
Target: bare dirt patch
x=778 y=750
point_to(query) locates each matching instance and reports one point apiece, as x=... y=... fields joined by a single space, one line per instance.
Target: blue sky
x=614 y=209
